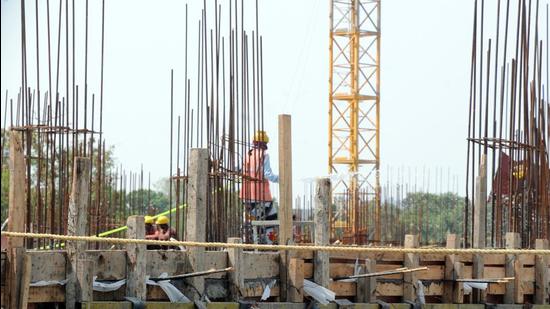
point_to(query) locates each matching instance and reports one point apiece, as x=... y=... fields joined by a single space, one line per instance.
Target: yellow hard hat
x=149 y=220
x=162 y=220
x=261 y=136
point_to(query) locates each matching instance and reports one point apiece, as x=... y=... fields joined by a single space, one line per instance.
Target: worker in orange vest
x=255 y=192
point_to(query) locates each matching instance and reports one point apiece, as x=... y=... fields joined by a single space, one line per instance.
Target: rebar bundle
x=59 y=122
x=508 y=125
x=223 y=108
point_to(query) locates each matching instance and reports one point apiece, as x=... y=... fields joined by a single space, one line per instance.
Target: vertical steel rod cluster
x=58 y=126
x=413 y=201
x=223 y=107
x=508 y=120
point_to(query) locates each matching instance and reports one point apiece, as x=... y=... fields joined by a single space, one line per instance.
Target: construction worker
x=151 y=232
x=255 y=192
x=164 y=231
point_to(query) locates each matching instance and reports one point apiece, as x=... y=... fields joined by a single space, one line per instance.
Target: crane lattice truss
x=354 y=116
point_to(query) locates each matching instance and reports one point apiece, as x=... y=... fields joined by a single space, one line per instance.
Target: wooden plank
x=431 y=257
x=542 y=265
x=196 y=216
x=389 y=289
x=322 y=203
x=260 y=265
x=285 y=197
x=491 y=272
x=366 y=287
x=449 y=271
x=236 y=277
x=85 y=279
x=512 y=242
x=77 y=226
x=216 y=260
x=343 y=289
x=433 y=288
x=494 y=259
x=25 y=281
x=411 y=261
x=136 y=259
x=478 y=272
x=17 y=214
x=387 y=257
x=256 y=289
x=47 y=294
x=434 y=272
x=163 y=261
x=109 y=264
x=386 y=267
x=47 y=265
x=296 y=274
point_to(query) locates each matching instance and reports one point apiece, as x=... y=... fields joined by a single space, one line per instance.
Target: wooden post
x=85 y=277
x=196 y=218
x=542 y=264
x=410 y=261
x=136 y=263
x=236 y=279
x=512 y=242
x=480 y=204
x=479 y=235
x=366 y=286
x=25 y=281
x=285 y=198
x=321 y=264
x=450 y=272
x=17 y=213
x=78 y=285
x=296 y=286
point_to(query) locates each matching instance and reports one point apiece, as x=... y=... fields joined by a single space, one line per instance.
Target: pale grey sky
x=425 y=63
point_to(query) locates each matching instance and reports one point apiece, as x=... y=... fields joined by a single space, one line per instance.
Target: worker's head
x=149 y=220
x=162 y=222
x=260 y=139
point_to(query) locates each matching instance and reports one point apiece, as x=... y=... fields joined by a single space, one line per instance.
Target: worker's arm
x=268 y=173
x=164 y=234
x=153 y=236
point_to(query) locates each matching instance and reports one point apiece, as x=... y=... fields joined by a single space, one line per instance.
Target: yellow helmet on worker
x=261 y=136
x=149 y=220
x=162 y=220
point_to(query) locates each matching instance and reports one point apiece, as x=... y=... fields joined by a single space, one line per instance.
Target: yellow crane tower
x=354 y=119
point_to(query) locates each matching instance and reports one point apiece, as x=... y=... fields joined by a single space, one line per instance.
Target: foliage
x=434 y=215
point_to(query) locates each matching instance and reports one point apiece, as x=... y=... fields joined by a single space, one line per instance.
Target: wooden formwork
x=259 y=268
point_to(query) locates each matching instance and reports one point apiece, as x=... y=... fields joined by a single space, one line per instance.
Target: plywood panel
x=261 y=265
x=47 y=265
x=109 y=265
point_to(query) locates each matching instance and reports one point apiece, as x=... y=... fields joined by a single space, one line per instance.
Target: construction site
x=230 y=225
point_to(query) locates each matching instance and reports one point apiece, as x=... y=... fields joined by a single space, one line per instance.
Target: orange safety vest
x=255 y=186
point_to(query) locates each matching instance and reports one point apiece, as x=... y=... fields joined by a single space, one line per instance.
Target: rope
x=350 y=249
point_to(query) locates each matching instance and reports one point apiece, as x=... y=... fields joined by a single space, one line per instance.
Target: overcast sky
x=425 y=62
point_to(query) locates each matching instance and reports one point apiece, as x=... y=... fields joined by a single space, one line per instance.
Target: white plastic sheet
x=356 y=271
x=171 y=291
x=107 y=286
x=48 y=282
x=468 y=286
x=267 y=290
x=420 y=292
x=319 y=293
